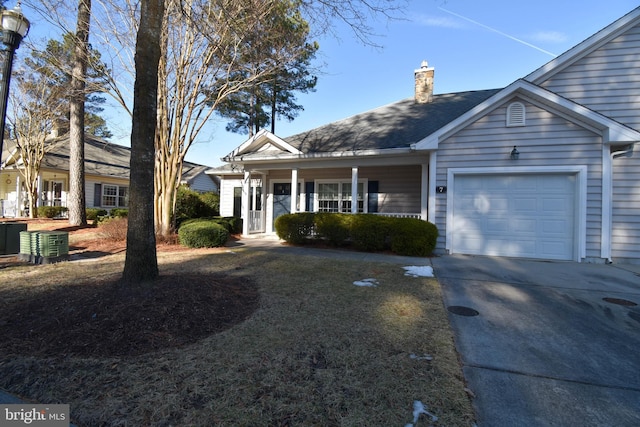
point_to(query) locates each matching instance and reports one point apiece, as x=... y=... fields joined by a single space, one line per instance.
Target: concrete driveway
x=552 y=344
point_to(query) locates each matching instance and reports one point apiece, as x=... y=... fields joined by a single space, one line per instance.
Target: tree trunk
x=141 y=262
x=76 y=199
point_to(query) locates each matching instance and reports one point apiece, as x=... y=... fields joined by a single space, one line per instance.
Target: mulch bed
x=102 y=319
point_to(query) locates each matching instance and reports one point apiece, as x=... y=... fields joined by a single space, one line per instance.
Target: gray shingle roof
x=103 y=158
x=397 y=125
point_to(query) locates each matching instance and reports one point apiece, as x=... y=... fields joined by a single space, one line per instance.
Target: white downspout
x=431 y=205
x=607 y=199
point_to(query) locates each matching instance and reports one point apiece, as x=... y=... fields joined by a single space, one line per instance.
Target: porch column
x=246 y=203
x=18 y=211
x=263 y=202
x=354 y=190
x=41 y=190
x=431 y=196
x=294 y=190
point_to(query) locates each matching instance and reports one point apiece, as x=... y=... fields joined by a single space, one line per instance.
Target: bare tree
x=201 y=65
x=34 y=107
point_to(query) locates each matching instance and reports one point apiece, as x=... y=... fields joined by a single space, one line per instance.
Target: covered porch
x=398 y=187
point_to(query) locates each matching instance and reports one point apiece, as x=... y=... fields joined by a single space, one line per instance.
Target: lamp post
x=14 y=27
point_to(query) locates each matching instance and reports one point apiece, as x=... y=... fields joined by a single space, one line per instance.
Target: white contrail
x=499 y=32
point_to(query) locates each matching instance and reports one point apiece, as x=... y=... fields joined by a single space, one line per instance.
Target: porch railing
x=400 y=215
x=255 y=221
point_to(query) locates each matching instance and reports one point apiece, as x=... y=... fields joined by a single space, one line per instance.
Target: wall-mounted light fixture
x=515 y=154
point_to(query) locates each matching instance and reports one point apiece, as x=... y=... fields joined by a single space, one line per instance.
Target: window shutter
x=372 y=189
x=97 y=195
x=308 y=189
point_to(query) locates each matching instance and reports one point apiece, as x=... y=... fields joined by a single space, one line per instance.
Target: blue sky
x=472 y=44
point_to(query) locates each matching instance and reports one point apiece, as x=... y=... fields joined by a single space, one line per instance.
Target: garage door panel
x=514 y=215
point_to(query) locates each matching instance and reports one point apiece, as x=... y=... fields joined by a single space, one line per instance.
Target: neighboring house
x=106 y=177
x=544 y=168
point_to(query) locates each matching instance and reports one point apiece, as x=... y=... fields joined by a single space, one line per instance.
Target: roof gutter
x=323 y=155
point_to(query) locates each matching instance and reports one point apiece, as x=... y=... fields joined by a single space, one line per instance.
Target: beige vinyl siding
x=546 y=140
x=626 y=209
x=606 y=80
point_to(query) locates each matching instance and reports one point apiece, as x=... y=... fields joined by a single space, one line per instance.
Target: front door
x=281 y=199
x=56 y=193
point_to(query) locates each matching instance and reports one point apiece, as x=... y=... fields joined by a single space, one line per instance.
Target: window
x=336 y=197
x=516 y=114
x=114 y=196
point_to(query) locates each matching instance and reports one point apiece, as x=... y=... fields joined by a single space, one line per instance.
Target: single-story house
x=545 y=168
x=106 y=176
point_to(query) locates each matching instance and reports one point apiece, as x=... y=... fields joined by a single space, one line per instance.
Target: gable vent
x=516 y=114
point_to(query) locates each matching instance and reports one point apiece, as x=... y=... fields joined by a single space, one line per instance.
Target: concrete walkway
x=546 y=343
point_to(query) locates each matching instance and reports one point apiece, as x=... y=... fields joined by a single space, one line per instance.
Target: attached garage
x=526 y=215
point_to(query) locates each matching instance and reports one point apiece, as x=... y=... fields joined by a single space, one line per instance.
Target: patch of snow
x=419 y=271
x=367 y=282
x=418 y=409
x=426 y=357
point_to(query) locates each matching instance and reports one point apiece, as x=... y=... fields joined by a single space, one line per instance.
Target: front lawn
x=233 y=338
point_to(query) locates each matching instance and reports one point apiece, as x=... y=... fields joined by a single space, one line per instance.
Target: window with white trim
x=336 y=197
x=115 y=196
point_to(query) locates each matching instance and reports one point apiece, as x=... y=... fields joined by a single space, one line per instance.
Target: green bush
x=412 y=236
x=370 y=232
x=333 y=227
x=119 y=213
x=94 y=213
x=295 y=228
x=190 y=205
x=202 y=234
x=233 y=223
x=51 y=211
x=212 y=201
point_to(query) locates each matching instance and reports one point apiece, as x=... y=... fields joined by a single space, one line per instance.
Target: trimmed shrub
x=202 y=234
x=295 y=228
x=412 y=236
x=119 y=213
x=232 y=223
x=369 y=232
x=51 y=211
x=334 y=227
x=94 y=213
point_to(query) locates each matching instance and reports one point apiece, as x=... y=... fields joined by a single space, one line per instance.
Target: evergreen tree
x=273 y=95
x=53 y=64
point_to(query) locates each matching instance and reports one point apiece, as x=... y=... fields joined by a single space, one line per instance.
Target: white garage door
x=530 y=216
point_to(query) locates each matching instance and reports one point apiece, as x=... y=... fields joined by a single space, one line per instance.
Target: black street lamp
x=14 y=27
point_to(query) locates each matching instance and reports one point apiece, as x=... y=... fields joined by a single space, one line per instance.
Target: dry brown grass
x=318 y=351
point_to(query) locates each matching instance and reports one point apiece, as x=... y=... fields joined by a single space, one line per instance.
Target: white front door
x=517 y=215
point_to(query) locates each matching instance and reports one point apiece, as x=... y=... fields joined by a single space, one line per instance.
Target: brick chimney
x=424 y=83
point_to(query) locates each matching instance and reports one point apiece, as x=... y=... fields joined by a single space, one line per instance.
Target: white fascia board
x=260 y=139
x=584 y=48
x=319 y=156
x=611 y=130
x=431 y=141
